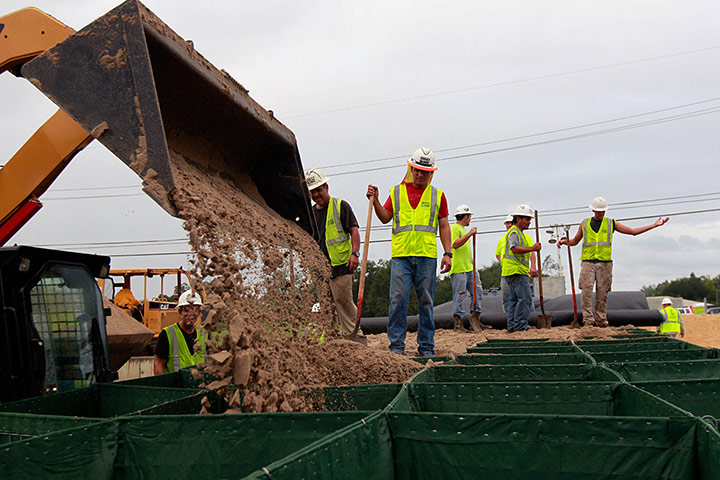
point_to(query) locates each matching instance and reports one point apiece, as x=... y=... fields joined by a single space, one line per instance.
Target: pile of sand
x=263 y=274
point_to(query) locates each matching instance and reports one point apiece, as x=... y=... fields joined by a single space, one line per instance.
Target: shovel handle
x=539 y=261
x=363 y=267
x=572 y=282
x=474 y=279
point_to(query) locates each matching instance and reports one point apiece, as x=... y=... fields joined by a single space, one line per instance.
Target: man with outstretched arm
x=596 y=233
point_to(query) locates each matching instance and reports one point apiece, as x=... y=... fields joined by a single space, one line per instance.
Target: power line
x=546 y=142
x=510 y=82
x=521 y=137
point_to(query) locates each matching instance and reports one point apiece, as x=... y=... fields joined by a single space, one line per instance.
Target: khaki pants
x=592 y=274
x=341 y=288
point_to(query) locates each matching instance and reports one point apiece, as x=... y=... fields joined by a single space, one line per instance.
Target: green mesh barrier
x=183 y=378
x=569 y=398
x=699 y=397
x=514 y=359
x=672 y=370
x=361 y=451
x=86 y=452
x=618 y=347
x=526 y=349
x=357 y=397
x=218 y=446
x=628 y=341
x=451 y=446
x=517 y=373
x=530 y=341
x=21 y=426
x=656 y=355
x=104 y=401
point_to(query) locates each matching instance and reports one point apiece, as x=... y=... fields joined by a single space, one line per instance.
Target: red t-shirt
x=414 y=196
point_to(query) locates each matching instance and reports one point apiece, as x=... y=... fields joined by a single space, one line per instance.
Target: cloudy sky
x=546 y=103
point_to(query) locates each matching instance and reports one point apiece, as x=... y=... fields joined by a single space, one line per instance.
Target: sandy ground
x=703 y=330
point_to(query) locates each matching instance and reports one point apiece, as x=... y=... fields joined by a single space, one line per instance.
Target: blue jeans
x=462 y=285
x=519 y=302
x=420 y=273
x=504 y=289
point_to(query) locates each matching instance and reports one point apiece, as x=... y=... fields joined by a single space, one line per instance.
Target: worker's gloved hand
x=372 y=191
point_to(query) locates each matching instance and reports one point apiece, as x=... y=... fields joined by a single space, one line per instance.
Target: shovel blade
x=544 y=321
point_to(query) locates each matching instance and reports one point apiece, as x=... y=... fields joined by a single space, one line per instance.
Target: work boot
x=459 y=327
x=477 y=325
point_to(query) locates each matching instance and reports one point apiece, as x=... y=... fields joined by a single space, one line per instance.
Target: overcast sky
x=509 y=81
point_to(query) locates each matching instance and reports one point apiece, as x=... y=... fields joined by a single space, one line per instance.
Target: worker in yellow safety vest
x=181 y=344
x=499 y=249
x=418 y=211
x=672 y=323
x=518 y=267
x=339 y=239
x=596 y=259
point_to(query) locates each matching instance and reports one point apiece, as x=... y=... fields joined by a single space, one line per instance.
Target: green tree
x=490 y=276
x=691 y=288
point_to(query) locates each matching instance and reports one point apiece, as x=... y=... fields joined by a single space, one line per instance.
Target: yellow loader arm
x=24 y=35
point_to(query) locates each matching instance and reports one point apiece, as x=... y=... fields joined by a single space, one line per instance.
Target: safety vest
x=597 y=246
x=671 y=320
x=511 y=263
x=462 y=257
x=414 y=229
x=337 y=240
x=179 y=355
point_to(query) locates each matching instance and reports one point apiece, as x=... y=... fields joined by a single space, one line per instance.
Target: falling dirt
x=263 y=274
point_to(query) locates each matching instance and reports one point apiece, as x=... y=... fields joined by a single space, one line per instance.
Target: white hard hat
x=523 y=211
x=666 y=301
x=423 y=159
x=315 y=178
x=315 y=308
x=599 y=204
x=189 y=298
x=463 y=210
x=509 y=218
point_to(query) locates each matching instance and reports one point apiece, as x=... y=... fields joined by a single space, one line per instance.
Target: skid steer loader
x=140 y=89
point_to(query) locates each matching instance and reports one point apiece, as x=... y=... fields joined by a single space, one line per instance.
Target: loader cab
x=52 y=326
x=149 y=295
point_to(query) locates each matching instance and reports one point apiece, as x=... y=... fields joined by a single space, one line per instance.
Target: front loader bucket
x=144 y=92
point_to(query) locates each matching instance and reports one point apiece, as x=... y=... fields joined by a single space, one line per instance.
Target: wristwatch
x=357 y=254
x=447 y=254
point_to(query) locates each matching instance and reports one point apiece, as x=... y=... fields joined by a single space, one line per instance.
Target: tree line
x=691 y=288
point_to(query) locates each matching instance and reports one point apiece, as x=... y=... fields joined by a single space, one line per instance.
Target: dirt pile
x=263 y=274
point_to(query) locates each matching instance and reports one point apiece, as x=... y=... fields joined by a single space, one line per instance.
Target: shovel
x=361 y=288
x=474 y=319
x=575 y=323
x=544 y=321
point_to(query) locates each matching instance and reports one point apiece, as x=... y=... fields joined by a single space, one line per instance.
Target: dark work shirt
x=595 y=225
x=347 y=220
x=162 y=349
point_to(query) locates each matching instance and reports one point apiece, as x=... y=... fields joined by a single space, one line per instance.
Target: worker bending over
x=175 y=347
x=340 y=241
x=517 y=270
x=417 y=210
x=672 y=323
x=596 y=233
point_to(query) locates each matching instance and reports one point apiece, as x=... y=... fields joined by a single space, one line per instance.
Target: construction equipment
x=363 y=268
x=128 y=80
x=52 y=322
x=154 y=311
x=544 y=321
